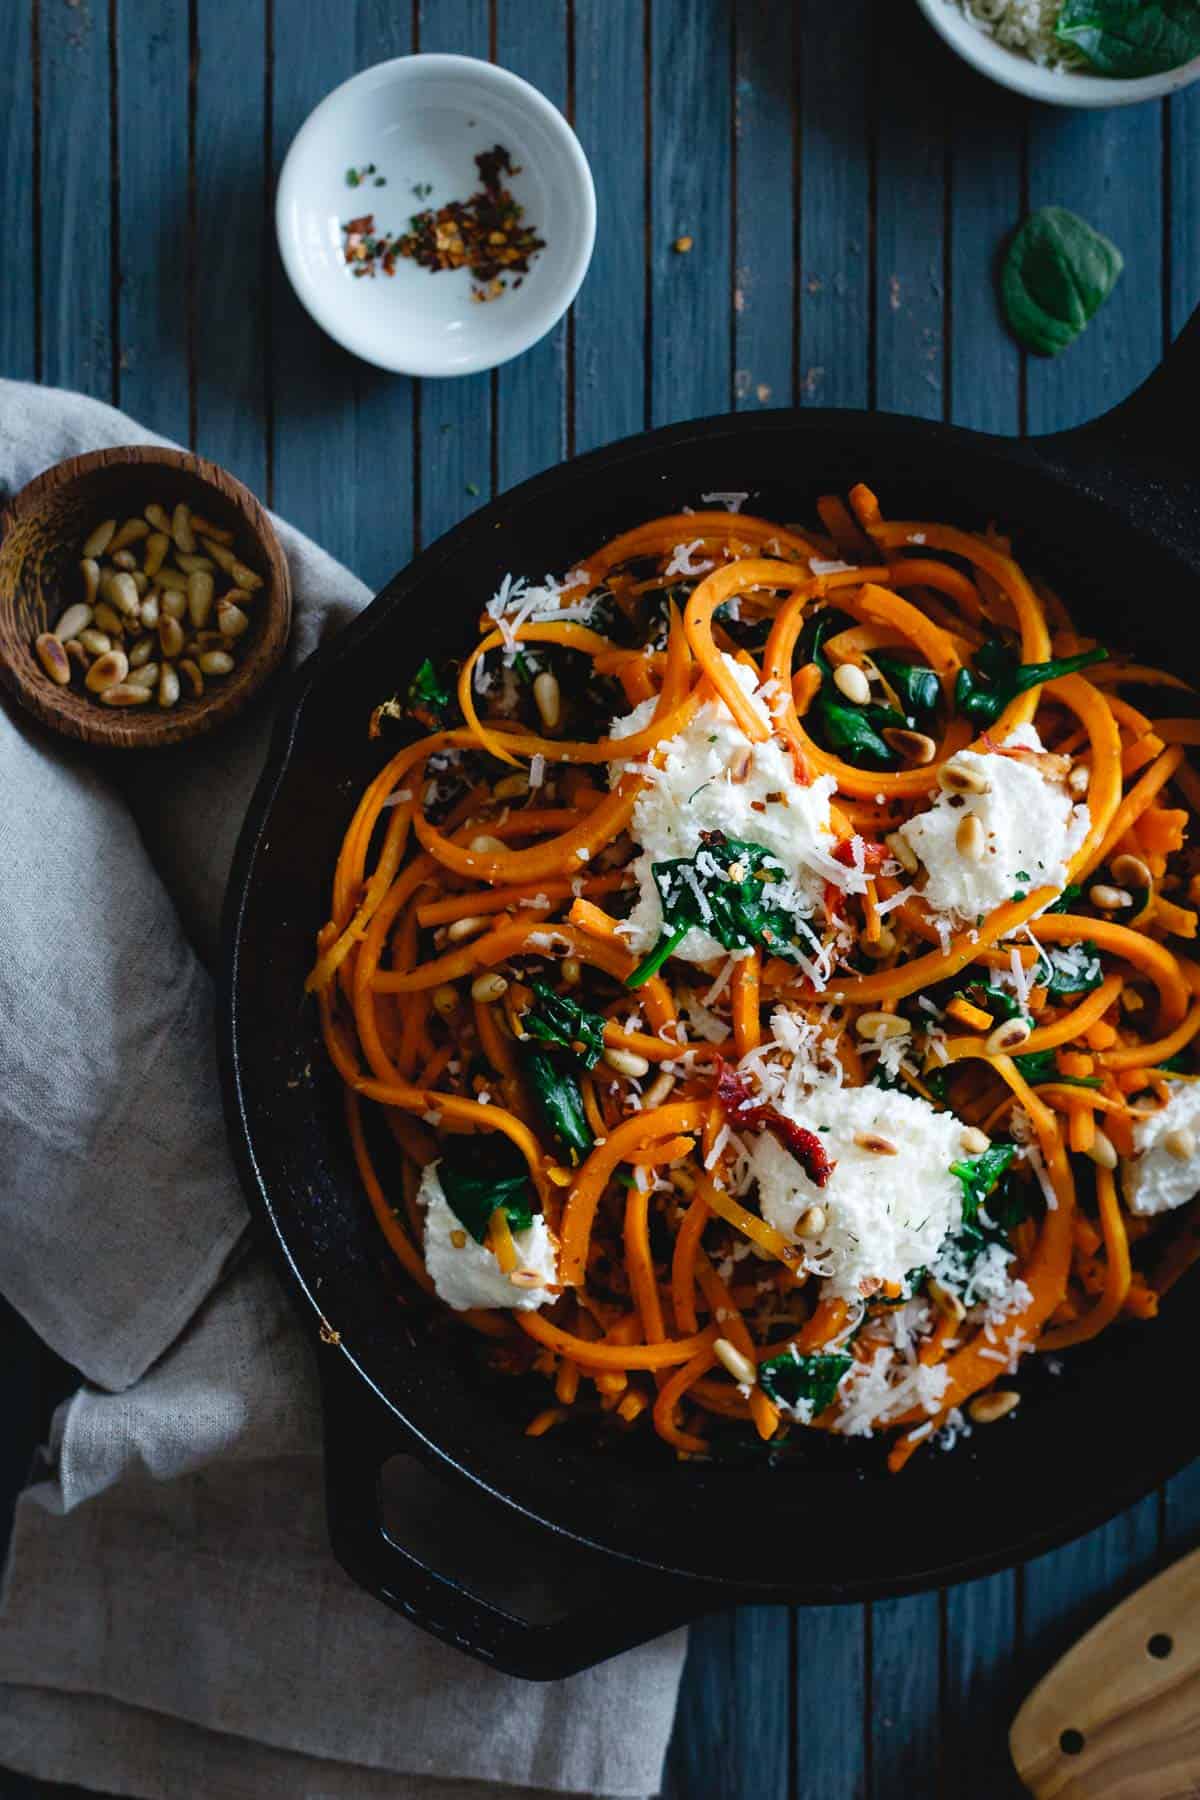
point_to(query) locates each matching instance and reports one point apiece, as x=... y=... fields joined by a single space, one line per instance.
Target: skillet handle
x=1143 y=434
x=613 y=1606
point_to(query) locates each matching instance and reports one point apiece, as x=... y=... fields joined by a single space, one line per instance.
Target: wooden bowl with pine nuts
x=161 y=613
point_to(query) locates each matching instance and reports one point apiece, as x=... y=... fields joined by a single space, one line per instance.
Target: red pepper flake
x=874 y=855
x=748 y=1114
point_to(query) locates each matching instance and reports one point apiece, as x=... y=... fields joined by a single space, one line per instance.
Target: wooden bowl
x=42 y=530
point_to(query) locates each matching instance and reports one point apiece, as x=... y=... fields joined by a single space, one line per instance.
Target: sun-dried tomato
x=748 y=1114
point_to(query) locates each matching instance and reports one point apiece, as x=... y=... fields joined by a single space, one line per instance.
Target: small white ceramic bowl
x=1059 y=87
x=422 y=120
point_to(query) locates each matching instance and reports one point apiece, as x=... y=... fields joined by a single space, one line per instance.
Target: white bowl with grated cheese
x=1053 y=83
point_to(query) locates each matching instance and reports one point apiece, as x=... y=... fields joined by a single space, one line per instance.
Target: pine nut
x=145 y=675
x=141 y=582
x=1131 y=1000
x=141 y=652
x=985 y=1409
x=744 y=1372
x=173 y=603
x=1008 y=1036
x=945 y=1301
x=849 y=680
x=877 y=1027
x=548 y=699
x=224 y=559
x=571 y=971
x=1109 y=899
x=157 y=545
x=968 y=839
x=231 y=620
x=181 y=527
x=462 y=929
x=168 y=577
x=168 y=687
x=192 y=676
x=150 y=611
x=77 y=618
x=961 y=778
x=916 y=749
x=108 y=670
x=124 y=559
x=1103 y=1151
x=76 y=653
x=200 y=598
x=485 y=845
x=1130 y=872
x=487 y=988
x=97 y=541
x=445 y=1000
x=878 y=1146
x=458 y=1238
x=216 y=662
x=206 y=528
x=740 y=765
x=121 y=693
x=878 y=948
x=973 y=1141
x=245 y=578
x=53 y=658
x=513 y=787
x=190 y=564
x=170 y=636
x=131 y=532
x=122 y=592
x=525 y=1278
x=627 y=1062
x=107 y=620
x=89 y=568
x=1079 y=780
x=1180 y=1143
x=658 y=1090
x=812 y=1222
x=96 y=643
x=903 y=852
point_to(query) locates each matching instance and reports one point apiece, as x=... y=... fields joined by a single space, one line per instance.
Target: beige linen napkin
x=172 y=1623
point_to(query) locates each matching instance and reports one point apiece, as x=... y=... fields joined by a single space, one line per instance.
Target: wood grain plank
x=234 y=248
x=764 y=206
x=77 y=199
x=152 y=234
x=1183 y=175
x=610 y=313
x=1106 y=166
x=690 y=175
x=732 y=1728
x=981 y=1688
x=531 y=392
x=455 y=416
x=18 y=192
x=1066 y=1592
x=910 y=212
x=987 y=130
x=904 y=1690
x=829 y=1703
x=834 y=299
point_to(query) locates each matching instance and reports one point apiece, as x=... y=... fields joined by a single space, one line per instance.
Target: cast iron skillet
x=1110 y=512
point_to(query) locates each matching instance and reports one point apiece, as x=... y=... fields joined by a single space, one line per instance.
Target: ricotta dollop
x=468 y=1275
x=1031 y=829
x=704 y=784
x=1156 y=1180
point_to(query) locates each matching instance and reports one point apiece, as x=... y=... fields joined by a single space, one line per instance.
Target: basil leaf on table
x=559 y=1103
x=814 y=1378
x=1128 y=38
x=474 y=1190
x=1057 y=275
x=559 y=1021
x=981 y=694
x=719 y=891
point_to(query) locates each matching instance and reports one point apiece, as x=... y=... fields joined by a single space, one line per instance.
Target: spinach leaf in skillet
x=1057 y=275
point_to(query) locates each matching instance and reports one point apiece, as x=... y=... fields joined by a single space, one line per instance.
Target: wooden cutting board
x=1118 y=1718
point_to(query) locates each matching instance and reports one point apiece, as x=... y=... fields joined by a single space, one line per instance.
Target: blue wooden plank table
x=846 y=185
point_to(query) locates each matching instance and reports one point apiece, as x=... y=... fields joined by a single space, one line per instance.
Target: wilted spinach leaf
x=719 y=891
x=979 y=1175
x=480 y=1174
x=555 y=1019
x=1127 y=38
x=790 y=1379
x=560 y=1104
x=916 y=686
x=999 y=676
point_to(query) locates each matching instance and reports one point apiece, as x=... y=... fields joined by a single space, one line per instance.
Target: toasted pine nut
x=1109 y=899
x=445 y=1000
x=123 y=594
x=200 y=598
x=131 y=532
x=1181 y=1143
x=141 y=582
x=141 y=653
x=53 y=658
x=1103 y=1151
x=224 y=559
x=916 y=749
x=945 y=1301
x=157 y=545
x=572 y=971
x=231 y=620
x=168 y=577
x=960 y=778
x=181 y=527
x=458 y=1238
x=849 y=680
x=124 y=559
x=968 y=839
x=548 y=699
x=77 y=618
x=974 y=1141
x=878 y=1146
x=146 y=675
x=96 y=643
x=462 y=929
x=97 y=541
x=150 y=611
x=76 y=653
x=513 y=787
x=489 y=987
x=658 y=1090
x=1079 y=780
x=168 y=687
x=731 y=1358
x=1130 y=872
x=107 y=619
x=626 y=1062
x=245 y=578
x=158 y=516
x=192 y=676
x=876 y=1027
x=89 y=568
x=525 y=1278
x=206 y=528
x=191 y=564
x=903 y=852
x=173 y=603
x=216 y=662
x=123 y=693
x=170 y=635
x=811 y=1222
x=985 y=1409
x=485 y=845
x=108 y=670
x=879 y=947
x=1008 y=1036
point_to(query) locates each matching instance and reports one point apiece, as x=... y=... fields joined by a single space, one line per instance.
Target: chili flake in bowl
x=507 y=213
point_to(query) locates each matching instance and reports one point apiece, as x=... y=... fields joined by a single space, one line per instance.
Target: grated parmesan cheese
x=876 y=1392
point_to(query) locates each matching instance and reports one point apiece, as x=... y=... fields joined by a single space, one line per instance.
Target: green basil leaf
x=720 y=891
x=814 y=1378
x=474 y=1190
x=1057 y=275
x=979 y=1175
x=1128 y=38
x=917 y=687
x=559 y=1102
x=556 y=1019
